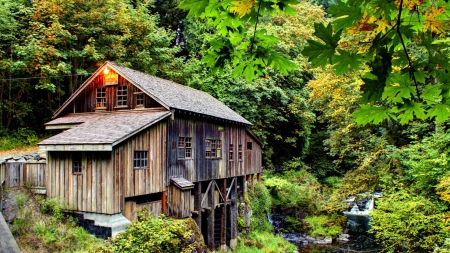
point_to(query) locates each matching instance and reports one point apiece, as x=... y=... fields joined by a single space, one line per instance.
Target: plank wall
x=92 y=190
x=200 y=168
x=86 y=100
x=135 y=182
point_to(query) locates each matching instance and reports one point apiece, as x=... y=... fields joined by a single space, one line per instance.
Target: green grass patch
x=264 y=242
x=20 y=138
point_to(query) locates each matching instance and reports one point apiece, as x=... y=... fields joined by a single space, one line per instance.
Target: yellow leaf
x=431 y=22
x=410 y=4
x=242 y=7
x=383 y=24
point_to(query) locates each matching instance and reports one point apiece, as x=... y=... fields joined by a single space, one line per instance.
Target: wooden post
x=259 y=177
x=164 y=201
x=210 y=228
x=223 y=217
x=198 y=203
x=243 y=189
x=233 y=215
x=252 y=182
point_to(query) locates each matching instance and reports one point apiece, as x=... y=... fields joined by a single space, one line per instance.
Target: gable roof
x=169 y=94
x=100 y=131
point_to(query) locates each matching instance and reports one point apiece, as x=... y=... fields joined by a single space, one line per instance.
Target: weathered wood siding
x=92 y=190
x=135 y=182
x=179 y=202
x=86 y=100
x=200 y=168
x=19 y=173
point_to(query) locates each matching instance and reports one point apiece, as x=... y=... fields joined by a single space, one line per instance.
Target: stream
x=359 y=240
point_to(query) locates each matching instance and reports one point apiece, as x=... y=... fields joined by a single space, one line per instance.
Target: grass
x=42 y=227
x=264 y=242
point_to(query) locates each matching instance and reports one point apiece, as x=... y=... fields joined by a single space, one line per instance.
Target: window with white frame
x=213 y=148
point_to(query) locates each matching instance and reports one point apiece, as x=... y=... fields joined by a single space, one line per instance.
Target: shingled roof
x=100 y=131
x=170 y=95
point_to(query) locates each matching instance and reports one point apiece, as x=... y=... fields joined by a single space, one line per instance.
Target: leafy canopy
x=402 y=43
x=248 y=49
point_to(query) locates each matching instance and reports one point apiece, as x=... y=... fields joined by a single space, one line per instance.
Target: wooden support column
x=243 y=189
x=233 y=215
x=164 y=202
x=223 y=217
x=210 y=228
x=198 y=203
x=259 y=177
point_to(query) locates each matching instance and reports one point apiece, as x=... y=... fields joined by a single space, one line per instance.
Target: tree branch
x=410 y=66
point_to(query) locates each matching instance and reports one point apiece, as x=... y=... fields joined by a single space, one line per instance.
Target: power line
x=41 y=77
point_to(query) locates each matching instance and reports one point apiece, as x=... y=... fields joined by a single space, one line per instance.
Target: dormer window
x=101 y=98
x=122 y=96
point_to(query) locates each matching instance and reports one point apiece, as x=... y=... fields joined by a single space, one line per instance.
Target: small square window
x=249 y=145
x=231 y=153
x=140 y=99
x=140 y=159
x=213 y=148
x=122 y=95
x=184 y=147
x=101 y=98
x=76 y=163
x=240 y=152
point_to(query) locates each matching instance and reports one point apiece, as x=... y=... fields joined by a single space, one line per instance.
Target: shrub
x=260 y=202
x=405 y=220
x=148 y=234
x=323 y=225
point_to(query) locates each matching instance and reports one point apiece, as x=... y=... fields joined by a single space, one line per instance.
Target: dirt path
x=19 y=151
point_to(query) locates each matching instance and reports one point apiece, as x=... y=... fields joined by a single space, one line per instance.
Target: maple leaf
x=382 y=24
x=318 y=53
x=344 y=60
x=440 y=111
x=195 y=7
x=400 y=87
x=410 y=4
x=371 y=114
x=346 y=14
x=410 y=109
x=432 y=22
x=431 y=93
x=242 y=7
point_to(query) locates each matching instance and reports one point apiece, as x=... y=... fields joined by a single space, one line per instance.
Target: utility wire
x=41 y=77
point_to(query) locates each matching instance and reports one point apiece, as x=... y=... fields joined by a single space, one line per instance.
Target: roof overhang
x=75 y=147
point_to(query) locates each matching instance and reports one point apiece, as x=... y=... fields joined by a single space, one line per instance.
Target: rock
x=6 y=158
x=36 y=156
x=17 y=157
x=324 y=240
x=344 y=238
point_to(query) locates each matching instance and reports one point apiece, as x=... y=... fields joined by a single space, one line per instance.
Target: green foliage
x=298 y=190
x=248 y=49
x=20 y=138
x=401 y=44
x=323 y=225
x=260 y=202
x=264 y=242
x=424 y=162
x=148 y=234
x=406 y=220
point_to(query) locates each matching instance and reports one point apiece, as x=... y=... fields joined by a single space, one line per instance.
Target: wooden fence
x=15 y=174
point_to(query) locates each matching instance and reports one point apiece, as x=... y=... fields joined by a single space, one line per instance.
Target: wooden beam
x=210 y=225
x=223 y=219
x=231 y=186
x=198 y=203
x=233 y=214
x=164 y=202
x=206 y=193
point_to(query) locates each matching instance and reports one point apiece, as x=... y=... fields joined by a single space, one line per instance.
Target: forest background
x=347 y=96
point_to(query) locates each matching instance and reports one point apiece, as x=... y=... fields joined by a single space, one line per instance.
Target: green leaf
x=346 y=14
x=319 y=54
x=431 y=94
x=344 y=60
x=440 y=111
x=195 y=7
x=371 y=114
x=400 y=87
x=410 y=109
x=281 y=63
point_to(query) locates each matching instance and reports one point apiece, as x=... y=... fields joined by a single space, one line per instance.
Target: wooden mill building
x=131 y=141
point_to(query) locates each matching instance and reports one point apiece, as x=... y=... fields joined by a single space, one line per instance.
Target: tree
x=241 y=43
x=402 y=44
